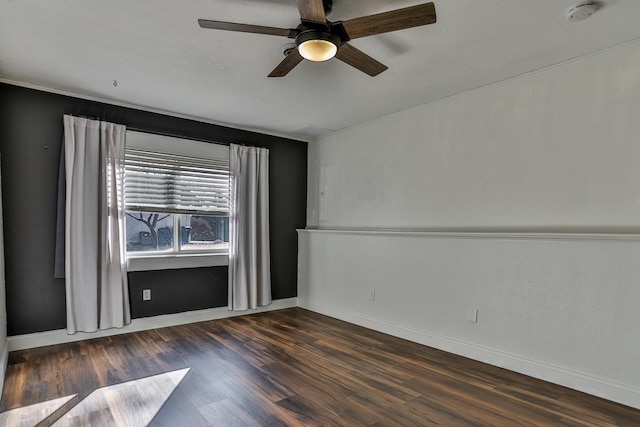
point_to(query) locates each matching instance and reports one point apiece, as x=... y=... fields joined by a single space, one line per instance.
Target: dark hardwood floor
x=289 y=367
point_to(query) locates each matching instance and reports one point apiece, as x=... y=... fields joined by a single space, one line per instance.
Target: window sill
x=172 y=261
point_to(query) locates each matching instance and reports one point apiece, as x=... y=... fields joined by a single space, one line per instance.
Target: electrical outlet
x=146 y=295
x=472 y=316
x=372 y=295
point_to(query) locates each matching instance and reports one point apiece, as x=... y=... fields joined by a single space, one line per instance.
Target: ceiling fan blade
x=360 y=60
x=287 y=64
x=312 y=10
x=399 y=19
x=244 y=28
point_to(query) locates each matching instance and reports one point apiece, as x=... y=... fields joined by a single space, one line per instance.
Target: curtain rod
x=85 y=117
x=172 y=135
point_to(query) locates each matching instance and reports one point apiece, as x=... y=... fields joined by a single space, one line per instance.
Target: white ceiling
x=162 y=59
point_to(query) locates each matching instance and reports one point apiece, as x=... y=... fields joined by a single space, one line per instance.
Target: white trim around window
x=177 y=146
x=173 y=261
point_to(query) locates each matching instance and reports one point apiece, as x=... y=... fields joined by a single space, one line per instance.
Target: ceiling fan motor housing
x=334 y=28
x=327 y=5
x=317 y=35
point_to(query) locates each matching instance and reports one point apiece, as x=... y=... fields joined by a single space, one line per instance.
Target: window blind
x=171 y=183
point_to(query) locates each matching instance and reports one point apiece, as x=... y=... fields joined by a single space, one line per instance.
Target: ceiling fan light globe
x=317 y=46
x=317 y=50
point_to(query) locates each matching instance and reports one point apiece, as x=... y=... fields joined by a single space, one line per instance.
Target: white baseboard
x=622 y=393
x=4 y=358
x=60 y=336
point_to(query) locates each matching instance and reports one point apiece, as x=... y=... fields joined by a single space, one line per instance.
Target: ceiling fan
x=318 y=39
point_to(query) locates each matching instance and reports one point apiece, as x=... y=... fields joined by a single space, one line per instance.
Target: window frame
x=176 y=257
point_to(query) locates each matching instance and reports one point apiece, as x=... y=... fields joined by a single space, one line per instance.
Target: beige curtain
x=249 y=255
x=96 y=277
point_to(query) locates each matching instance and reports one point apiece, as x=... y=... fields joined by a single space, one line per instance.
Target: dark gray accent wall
x=31 y=134
x=175 y=291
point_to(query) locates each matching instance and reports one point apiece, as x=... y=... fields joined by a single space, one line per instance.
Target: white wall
x=553 y=151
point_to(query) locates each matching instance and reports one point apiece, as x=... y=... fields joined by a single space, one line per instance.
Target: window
x=176 y=196
x=159 y=232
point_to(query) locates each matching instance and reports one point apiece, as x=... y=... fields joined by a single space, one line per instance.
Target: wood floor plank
x=225 y=413
x=293 y=367
x=179 y=410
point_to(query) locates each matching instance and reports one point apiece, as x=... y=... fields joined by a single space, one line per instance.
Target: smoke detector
x=581 y=11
